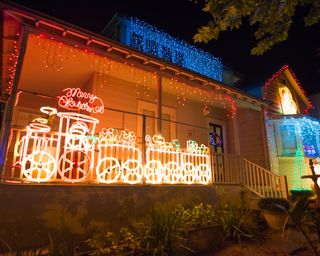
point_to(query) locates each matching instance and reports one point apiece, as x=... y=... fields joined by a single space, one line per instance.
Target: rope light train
x=76 y=153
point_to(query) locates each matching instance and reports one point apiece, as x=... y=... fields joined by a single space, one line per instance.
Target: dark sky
x=181 y=18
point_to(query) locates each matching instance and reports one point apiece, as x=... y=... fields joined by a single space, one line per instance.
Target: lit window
x=288 y=140
x=166 y=53
x=136 y=41
x=179 y=58
x=152 y=47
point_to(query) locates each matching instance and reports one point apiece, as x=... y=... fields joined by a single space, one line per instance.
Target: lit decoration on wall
x=70 y=154
x=275 y=76
x=165 y=163
x=289 y=107
x=149 y=39
x=76 y=99
x=300 y=169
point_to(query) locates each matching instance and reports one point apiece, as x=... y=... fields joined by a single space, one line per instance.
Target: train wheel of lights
x=171 y=173
x=108 y=170
x=74 y=166
x=39 y=166
x=203 y=173
x=132 y=171
x=153 y=172
x=188 y=173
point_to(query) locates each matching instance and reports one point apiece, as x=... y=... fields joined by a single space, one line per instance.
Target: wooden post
x=159 y=104
x=284 y=187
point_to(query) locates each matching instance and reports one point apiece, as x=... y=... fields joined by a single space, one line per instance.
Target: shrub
x=274 y=204
x=162 y=233
x=199 y=216
x=125 y=243
x=237 y=223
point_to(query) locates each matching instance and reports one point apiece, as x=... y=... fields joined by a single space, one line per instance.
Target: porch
x=117 y=157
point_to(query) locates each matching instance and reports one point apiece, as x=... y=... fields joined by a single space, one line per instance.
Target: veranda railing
x=233 y=169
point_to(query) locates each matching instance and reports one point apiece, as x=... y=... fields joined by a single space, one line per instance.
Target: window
x=288 y=140
x=166 y=53
x=136 y=41
x=152 y=47
x=179 y=58
x=150 y=110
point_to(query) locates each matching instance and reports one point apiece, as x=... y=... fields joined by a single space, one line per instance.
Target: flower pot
x=206 y=239
x=275 y=220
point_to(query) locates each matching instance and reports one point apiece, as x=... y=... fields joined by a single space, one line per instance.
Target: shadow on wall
x=31 y=212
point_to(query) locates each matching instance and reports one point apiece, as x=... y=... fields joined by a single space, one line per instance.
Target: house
x=293 y=135
x=102 y=130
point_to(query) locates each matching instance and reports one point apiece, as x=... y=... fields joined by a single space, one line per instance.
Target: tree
x=271 y=18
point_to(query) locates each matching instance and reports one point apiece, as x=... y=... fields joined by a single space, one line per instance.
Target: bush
x=237 y=223
x=276 y=205
x=199 y=216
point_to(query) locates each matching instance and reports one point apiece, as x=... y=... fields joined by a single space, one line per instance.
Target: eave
x=41 y=23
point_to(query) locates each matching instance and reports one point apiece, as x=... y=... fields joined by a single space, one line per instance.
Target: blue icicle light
x=144 y=37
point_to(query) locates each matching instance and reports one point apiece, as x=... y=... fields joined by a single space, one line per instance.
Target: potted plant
x=275 y=211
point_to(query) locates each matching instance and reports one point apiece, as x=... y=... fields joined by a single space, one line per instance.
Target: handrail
x=262 y=181
x=234 y=169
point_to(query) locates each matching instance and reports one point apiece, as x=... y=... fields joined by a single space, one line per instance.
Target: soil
x=273 y=243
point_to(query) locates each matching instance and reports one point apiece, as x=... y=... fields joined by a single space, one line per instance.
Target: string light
x=76 y=99
x=149 y=39
x=12 y=66
x=69 y=155
x=142 y=79
x=300 y=169
x=275 y=76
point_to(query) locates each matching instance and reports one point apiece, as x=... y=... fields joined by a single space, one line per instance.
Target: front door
x=216 y=138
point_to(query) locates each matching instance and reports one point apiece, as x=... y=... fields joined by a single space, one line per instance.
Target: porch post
x=7 y=119
x=159 y=103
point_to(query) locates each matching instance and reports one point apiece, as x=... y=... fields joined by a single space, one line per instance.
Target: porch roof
x=39 y=22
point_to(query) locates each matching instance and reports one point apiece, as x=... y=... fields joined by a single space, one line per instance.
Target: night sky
x=181 y=18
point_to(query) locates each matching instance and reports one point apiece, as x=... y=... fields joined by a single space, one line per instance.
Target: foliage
x=199 y=216
x=62 y=241
x=274 y=204
x=237 y=223
x=272 y=19
x=162 y=234
x=111 y=244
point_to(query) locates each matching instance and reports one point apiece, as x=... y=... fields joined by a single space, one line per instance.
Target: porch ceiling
x=37 y=77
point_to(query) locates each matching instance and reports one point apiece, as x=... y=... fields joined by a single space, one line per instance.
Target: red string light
x=276 y=75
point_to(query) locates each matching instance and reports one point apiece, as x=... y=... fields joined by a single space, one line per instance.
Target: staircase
x=233 y=169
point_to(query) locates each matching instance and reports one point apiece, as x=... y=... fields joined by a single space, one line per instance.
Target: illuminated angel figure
x=289 y=107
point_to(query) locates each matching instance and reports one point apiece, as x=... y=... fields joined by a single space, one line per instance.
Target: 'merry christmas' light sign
x=76 y=99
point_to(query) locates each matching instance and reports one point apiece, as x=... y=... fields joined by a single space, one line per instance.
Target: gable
x=285 y=93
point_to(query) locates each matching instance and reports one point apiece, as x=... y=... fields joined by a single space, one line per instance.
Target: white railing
x=233 y=169
x=262 y=181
